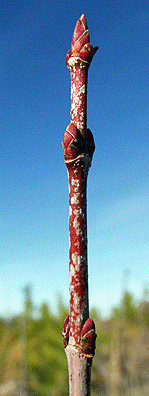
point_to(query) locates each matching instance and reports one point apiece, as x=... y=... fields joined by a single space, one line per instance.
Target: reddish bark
x=78 y=143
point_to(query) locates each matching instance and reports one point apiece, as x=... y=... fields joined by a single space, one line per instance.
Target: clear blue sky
x=34 y=111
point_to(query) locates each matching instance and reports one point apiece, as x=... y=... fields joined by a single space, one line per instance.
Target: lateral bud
x=88 y=338
x=65 y=332
x=74 y=144
x=90 y=143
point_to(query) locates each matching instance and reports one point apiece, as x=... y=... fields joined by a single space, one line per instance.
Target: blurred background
x=34 y=243
x=33 y=360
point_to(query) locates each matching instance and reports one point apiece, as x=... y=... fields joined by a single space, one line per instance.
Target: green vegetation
x=32 y=356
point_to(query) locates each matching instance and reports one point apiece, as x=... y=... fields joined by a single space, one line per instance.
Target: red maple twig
x=78 y=144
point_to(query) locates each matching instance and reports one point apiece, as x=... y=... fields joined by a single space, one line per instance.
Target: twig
x=78 y=144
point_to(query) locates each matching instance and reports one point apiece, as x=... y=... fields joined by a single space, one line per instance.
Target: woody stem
x=78 y=270
x=78 y=143
x=79 y=73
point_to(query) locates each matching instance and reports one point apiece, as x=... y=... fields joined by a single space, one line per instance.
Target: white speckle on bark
x=71 y=287
x=82 y=89
x=72 y=61
x=70 y=210
x=74 y=199
x=76 y=224
x=76 y=304
x=72 y=271
x=74 y=258
x=78 y=264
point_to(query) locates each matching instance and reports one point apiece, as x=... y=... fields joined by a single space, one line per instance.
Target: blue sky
x=35 y=110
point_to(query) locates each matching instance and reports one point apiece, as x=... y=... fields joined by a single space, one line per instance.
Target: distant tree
x=144 y=308
x=46 y=363
x=127 y=310
x=44 y=311
x=28 y=303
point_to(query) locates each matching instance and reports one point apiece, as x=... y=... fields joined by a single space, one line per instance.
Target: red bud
x=88 y=338
x=90 y=143
x=88 y=325
x=65 y=332
x=86 y=52
x=80 y=28
x=70 y=136
x=66 y=322
x=68 y=56
x=84 y=39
